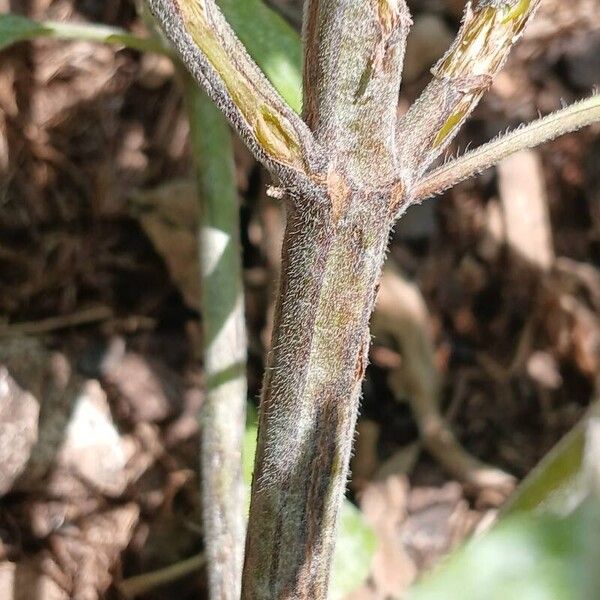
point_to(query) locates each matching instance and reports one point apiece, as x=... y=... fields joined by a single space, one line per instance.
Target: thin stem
x=142 y=584
x=219 y=62
x=489 y=30
x=563 y=121
x=222 y=418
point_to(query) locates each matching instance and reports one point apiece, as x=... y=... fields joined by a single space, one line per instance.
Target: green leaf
x=272 y=43
x=356 y=541
x=547 y=543
x=14 y=28
x=525 y=557
x=556 y=483
x=354 y=549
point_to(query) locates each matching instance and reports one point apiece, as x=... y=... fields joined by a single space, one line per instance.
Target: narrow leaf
x=15 y=28
x=271 y=42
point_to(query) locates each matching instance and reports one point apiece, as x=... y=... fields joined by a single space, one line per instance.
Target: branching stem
x=346 y=174
x=220 y=64
x=563 y=121
x=489 y=30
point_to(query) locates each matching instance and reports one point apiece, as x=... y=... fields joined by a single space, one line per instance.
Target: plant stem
x=331 y=264
x=353 y=59
x=223 y=414
x=100 y=33
x=489 y=30
x=563 y=121
x=147 y=582
x=346 y=176
x=219 y=63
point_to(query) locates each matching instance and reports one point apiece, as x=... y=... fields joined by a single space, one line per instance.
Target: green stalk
x=223 y=418
x=223 y=415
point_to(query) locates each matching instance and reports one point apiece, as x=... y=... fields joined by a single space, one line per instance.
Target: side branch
x=217 y=60
x=489 y=30
x=563 y=121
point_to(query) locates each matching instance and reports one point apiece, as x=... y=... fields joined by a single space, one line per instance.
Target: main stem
x=332 y=256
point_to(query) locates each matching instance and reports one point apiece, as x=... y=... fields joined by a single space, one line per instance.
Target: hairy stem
x=346 y=176
x=331 y=263
x=489 y=30
x=220 y=64
x=223 y=414
x=353 y=61
x=563 y=121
